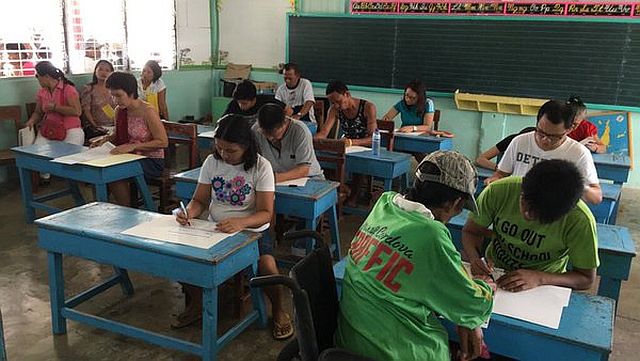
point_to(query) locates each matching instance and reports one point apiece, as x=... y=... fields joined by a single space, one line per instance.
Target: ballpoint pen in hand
x=184 y=210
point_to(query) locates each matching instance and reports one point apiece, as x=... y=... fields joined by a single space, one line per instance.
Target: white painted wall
x=254 y=31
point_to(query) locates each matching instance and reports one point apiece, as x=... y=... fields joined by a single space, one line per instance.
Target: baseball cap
x=455 y=171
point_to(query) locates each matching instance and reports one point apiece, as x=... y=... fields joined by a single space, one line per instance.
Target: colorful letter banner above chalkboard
x=496 y=8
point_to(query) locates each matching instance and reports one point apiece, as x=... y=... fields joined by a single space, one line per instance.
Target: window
x=125 y=32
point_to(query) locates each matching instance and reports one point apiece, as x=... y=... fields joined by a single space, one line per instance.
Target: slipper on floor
x=282 y=331
x=186 y=319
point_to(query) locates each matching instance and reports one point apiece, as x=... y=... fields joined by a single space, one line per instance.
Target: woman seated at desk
x=415 y=109
x=138 y=130
x=237 y=187
x=357 y=119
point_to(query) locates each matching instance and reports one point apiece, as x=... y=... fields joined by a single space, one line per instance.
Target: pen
x=184 y=210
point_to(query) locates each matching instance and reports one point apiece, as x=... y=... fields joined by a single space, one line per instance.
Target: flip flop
x=282 y=331
x=186 y=319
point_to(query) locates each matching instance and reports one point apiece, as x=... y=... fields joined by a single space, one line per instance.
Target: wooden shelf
x=497 y=104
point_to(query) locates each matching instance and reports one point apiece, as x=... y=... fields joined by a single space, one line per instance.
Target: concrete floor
x=24 y=300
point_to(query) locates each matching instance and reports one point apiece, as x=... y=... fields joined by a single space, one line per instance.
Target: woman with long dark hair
x=415 y=109
x=98 y=106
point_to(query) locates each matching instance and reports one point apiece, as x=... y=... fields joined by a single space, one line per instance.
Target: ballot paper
x=209 y=134
x=200 y=234
x=542 y=305
x=299 y=182
x=88 y=154
x=357 y=148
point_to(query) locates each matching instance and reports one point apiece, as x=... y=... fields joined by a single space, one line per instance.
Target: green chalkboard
x=600 y=61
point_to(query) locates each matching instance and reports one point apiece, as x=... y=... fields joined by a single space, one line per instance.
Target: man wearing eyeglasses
x=550 y=141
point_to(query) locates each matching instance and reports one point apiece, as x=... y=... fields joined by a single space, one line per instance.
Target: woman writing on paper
x=97 y=103
x=138 y=130
x=236 y=186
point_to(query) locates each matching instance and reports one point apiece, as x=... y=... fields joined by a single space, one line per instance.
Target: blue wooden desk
x=585 y=332
x=387 y=166
x=606 y=212
x=612 y=167
x=616 y=250
x=37 y=158
x=93 y=232
x=402 y=142
x=310 y=202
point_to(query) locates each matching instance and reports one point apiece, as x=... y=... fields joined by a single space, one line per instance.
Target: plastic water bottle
x=375 y=143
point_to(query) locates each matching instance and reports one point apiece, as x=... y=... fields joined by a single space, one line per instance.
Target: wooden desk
x=403 y=142
x=93 y=232
x=612 y=167
x=616 y=250
x=37 y=158
x=585 y=332
x=310 y=202
x=387 y=166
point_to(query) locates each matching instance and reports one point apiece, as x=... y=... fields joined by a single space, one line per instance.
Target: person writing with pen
x=236 y=185
x=540 y=225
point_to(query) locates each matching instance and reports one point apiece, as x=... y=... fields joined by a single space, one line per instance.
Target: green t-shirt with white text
x=402 y=270
x=519 y=243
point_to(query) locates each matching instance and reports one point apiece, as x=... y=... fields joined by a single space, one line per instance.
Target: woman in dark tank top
x=357 y=119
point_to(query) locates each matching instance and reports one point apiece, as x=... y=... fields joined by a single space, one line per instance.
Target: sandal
x=186 y=318
x=282 y=331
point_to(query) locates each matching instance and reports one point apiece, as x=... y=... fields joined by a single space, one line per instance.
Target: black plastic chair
x=315 y=301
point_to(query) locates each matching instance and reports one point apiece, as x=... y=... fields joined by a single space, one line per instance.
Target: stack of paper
x=200 y=234
x=357 y=148
x=300 y=182
x=100 y=156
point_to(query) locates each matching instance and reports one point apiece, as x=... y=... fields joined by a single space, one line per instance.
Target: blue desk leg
x=101 y=192
x=257 y=299
x=56 y=293
x=209 y=323
x=609 y=287
x=75 y=192
x=388 y=184
x=27 y=194
x=310 y=224
x=335 y=234
x=3 y=353
x=146 y=195
x=125 y=282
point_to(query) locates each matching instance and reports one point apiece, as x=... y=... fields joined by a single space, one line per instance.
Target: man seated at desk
x=539 y=226
x=297 y=93
x=550 y=141
x=286 y=143
x=403 y=270
x=247 y=102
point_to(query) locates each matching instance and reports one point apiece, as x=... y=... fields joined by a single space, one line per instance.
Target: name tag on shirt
x=108 y=111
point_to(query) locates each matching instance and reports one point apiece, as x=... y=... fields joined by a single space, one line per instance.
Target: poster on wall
x=614 y=130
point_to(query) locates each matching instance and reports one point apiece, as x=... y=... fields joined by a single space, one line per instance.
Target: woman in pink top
x=138 y=130
x=58 y=109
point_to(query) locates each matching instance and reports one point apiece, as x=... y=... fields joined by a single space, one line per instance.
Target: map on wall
x=614 y=130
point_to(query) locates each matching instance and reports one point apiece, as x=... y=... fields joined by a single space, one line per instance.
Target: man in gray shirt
x=287 y=144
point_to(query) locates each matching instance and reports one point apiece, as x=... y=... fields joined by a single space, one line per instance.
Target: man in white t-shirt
x=550 y=141
x=297 y=93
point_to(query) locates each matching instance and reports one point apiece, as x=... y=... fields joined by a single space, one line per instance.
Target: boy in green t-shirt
x=539 y=226
x=403 y=270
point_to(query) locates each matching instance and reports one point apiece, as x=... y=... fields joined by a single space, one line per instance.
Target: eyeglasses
x=554 y=138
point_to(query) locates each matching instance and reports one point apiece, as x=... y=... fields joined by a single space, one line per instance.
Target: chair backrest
x=436 y=119
x=314 y=274
x=30 y=108
x=318 y=110
x=331 y=156
x=187 y=133
x=386 y=127
x=12 y=112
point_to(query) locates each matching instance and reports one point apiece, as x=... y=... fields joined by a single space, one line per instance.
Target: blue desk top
x=385 y=156
x=422 y=137
x=106 y=221
x=483 y=172
x=50 y=150
x=314 y=188
x=611 y=160
x=204 y=128
x=611 y=191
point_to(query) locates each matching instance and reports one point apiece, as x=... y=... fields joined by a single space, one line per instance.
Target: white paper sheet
x=542 y=305
x=201 y=234
x=209 y=134
x=409 y=134
x=88 y=154
x=357 y=148
x=300 y=182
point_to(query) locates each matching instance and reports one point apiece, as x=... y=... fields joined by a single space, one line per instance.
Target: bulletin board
x=614 y=130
